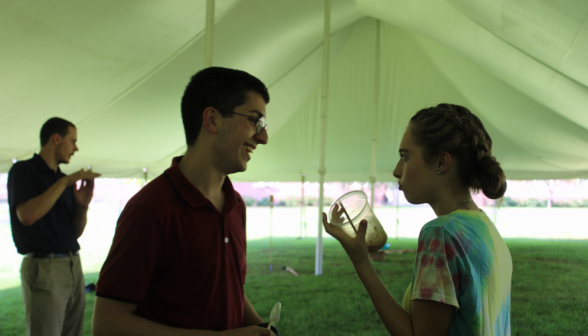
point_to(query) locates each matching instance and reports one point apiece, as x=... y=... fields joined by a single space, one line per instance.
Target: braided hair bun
x=454 y=129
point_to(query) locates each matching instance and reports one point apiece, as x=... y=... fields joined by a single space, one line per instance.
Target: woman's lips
x=399 y=187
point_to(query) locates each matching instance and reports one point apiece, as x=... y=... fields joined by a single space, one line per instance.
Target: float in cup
x=349 y=210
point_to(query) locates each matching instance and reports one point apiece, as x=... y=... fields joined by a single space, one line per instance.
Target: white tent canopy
x=117 y=69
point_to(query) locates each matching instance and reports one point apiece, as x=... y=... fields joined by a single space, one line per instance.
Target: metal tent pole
x=318 y=267
x=375 y=114
x=209 y=33
x=302 y=209
x=271 y=265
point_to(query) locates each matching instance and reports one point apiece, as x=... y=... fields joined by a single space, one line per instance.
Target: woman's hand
x=355 y=247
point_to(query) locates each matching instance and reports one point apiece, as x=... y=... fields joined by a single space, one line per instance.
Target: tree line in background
x=536 y=203
x=289 y=201
x=507 y=202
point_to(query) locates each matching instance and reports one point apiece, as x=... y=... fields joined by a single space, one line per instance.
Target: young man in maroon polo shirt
x=177 y=262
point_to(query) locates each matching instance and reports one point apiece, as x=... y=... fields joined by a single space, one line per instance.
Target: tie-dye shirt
x=462 y=261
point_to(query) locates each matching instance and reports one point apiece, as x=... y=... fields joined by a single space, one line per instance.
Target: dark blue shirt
x=54 y=232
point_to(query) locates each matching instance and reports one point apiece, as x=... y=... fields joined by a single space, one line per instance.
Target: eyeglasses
x=260 y=124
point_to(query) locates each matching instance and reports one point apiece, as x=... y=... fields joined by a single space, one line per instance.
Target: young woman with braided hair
x=462 y=276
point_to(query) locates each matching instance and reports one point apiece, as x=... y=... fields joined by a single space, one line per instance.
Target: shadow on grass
x=12 y=315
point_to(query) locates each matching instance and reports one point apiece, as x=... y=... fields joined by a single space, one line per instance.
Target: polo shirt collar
x=191 y=194
x=40 y=163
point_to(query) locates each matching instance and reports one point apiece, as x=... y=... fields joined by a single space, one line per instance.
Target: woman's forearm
x=396 y=320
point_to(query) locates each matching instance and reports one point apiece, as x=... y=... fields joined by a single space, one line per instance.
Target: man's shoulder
x=21 y=166
x=148 y=206
x=153 y=194
x=21 y=171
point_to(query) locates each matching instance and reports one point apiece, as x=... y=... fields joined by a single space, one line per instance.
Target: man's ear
x=56 y=138
x=211 y=120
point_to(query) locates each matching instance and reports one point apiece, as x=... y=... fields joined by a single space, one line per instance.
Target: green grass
x=332 y=304
x=549 y=294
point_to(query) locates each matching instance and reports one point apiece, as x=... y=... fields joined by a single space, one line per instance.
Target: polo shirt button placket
x=226 y=240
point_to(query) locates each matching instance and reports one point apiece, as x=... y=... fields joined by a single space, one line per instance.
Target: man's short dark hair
x=52 y=126
x=221 y=88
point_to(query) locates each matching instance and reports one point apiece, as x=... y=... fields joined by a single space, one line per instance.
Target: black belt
x=51 y=255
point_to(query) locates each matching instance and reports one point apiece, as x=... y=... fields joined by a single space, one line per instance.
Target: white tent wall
x=520 y=36
x=418 y=73
x=558 y=42
x=144 y=128
x=118 y=69
x=71 y=59
x=408 y=72
x=531 y=140
x=51 y=69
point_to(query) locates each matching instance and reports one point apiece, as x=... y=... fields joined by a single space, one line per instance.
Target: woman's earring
x=440 y=170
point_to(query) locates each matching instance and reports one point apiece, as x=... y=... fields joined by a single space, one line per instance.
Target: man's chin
x=236 y=169
x=241 y=168
x=65 y=160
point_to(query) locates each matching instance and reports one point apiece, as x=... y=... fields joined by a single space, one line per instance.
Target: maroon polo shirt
x=177 y=257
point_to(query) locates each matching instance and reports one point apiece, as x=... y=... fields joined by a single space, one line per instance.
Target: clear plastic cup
x=357 y=207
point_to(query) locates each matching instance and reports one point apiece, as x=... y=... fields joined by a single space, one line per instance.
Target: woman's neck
x=447 y=202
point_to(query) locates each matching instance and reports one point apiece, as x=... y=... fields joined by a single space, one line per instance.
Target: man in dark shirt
x=177 y=264
x=47 y=216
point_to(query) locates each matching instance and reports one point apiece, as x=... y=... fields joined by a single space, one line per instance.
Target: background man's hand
x=81 y=175
x=84 y=194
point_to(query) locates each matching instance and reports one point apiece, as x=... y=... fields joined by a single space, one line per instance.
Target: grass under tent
x=549 y=294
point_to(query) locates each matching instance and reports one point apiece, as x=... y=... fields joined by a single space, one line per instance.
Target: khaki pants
x=54 y=296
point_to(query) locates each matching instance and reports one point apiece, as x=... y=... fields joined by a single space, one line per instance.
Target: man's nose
x=262 y=138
